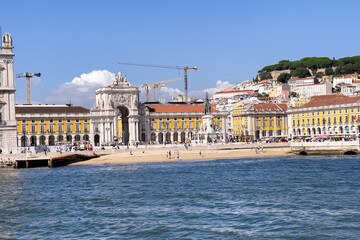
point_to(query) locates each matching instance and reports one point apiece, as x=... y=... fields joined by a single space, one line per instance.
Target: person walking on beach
x=170 y=154
x=167 y=155
x=200 y=153
x=177 y=156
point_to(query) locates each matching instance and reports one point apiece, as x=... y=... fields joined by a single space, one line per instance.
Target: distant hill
x=310 y=66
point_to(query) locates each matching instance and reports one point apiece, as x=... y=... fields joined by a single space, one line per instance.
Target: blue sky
x=228 y=41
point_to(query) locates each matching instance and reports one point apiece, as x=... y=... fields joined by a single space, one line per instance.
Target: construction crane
x=155 y=85
x=171 y=67
x=28 y=76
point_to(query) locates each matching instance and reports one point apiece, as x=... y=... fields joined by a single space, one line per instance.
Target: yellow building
x=259 y=121
x=179 y=123
x=48 y=124
x=298 y=102
x=332 y=115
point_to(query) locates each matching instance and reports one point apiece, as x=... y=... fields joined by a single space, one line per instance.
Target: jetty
x=51 y=161
x=325 y=148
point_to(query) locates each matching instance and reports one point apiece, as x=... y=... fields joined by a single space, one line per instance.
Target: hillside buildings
x=263 y=110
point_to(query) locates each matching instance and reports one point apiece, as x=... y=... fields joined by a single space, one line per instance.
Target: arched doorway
x=175 y=137
x=183 y=137
x=51 y=140
x=257 y=134
x=96 y=139
x=77 y=138
x=42 y=140
x=123 y=112
x=160 y=138
x=168 y=137
x=69 y=138
x=86 y=137
x=32 y=141
x=153 y=137
x=143 y=139
x=24 y=141
x=60 y=138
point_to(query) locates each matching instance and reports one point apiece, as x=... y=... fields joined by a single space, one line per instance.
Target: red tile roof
x=48 y=109
x=270 y=107
x=179 y=108
x=326 y=100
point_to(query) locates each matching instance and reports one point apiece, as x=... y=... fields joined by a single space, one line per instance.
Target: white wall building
x=295 y=81
x=347 y=79
x=306 y=91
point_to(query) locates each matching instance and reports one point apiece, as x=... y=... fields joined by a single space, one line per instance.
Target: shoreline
x=160 y=155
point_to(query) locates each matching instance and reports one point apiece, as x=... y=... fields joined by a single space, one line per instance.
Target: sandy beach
x=160 y=155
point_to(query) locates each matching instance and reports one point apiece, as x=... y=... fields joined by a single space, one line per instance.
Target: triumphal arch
x=115 y=115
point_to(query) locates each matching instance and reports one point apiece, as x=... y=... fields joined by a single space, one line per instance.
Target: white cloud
x=81 y=90
x=220 y=85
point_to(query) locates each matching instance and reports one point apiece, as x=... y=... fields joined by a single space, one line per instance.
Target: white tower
x=7 y=96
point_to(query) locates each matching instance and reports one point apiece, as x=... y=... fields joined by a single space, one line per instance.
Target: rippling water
x=273 y=198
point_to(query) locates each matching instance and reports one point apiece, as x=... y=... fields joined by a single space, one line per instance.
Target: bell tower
x=7 y=96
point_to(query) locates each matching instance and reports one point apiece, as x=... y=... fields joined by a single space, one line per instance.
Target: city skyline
x=77 y=46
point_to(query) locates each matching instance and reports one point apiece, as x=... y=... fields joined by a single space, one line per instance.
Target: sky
x=77 y=45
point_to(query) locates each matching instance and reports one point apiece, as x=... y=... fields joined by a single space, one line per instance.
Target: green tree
x=319 y=74
x=264 y=76
x=300 y=72
x=294 y=94
x=329 y=71
x=283 y=77
x=262 y=95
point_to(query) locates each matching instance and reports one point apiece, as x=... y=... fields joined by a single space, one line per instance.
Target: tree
x=300 y=72
x=264 y=76
x=283 y=77
x=329 y=71
x=263 y=95
x=319 y=74
x=293 y=94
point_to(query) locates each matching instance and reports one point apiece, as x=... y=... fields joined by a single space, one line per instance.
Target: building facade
x=260 y=121
x=332 y=115
x=50 y=124
x=7 y=95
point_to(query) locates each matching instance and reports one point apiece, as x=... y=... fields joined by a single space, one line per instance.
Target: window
x=340 y=119
x=23 y=121
x=96 y=126
x=23 y=128
x=68 y=128
x=86 y=128
x=42 y=129
x=51 y=120
x=60 y=120
x=77 y=128
x=85 y=120
x=60 y=128
x=33 y=129
x=33 y=121
x=51 y=128
x=77 y=120
x=68 y=120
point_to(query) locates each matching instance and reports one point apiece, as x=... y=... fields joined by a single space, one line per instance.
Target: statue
x=207 y=105
x=7 y=40
x=119 y=79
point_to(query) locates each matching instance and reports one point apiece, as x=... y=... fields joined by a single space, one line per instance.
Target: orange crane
x=171 y=67
x=155 y=85
x=28 y=76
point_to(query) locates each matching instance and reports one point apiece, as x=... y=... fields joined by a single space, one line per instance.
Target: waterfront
x=249 y=198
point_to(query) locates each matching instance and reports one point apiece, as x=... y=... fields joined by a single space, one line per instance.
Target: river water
x=268 y=198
